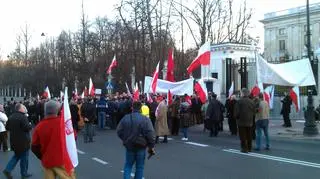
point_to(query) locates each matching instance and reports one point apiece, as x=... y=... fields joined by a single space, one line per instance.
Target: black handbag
x=139 y=141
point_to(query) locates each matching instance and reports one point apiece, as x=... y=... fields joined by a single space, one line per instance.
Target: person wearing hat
x=3 y=132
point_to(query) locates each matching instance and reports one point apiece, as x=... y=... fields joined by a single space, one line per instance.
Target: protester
x=145 y=109
x=185 y=118
x=19 y=128
x=137 y=134
x=102 y=111
x=213 y=116
x=153 y=107
x=262 y=123
x=174 y=112
x=230 y=105
x=74 y=110
x=286 y=109
x=88 y=111
x=3 y=132
x=245 y=110
x=161 y=124
x=46 y=144
x=204 y=108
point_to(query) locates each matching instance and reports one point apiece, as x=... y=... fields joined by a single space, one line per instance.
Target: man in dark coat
x=213 y=116
x=74 y=110
x=245 y=111
x=174 y=112
x=286 y=109
x=88 y=111
x=20 y=139
x=230 y=106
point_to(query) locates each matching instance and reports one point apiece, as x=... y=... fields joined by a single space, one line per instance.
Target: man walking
x=213 y=116
x=19 y=128
x=49 y=151
x=245 y=111
x=161 y=124
x=262 y=123
x=137 y=134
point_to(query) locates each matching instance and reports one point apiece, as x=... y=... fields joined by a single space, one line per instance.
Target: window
x=305 y=28
x=282 y=31
x=282 y=44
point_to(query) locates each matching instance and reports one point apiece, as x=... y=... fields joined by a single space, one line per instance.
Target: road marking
x=132 y=174
x=80 y=152
x=280 y=159
x=197 y=144
x=300 y=121
x=163 y=138
x=100 y=161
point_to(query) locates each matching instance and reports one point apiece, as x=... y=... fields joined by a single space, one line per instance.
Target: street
x=201 y=157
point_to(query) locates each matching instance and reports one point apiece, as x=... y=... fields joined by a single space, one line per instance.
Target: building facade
x=285 y=33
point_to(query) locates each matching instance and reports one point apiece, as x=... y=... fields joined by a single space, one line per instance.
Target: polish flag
x=61 y=96
x=136 y=93
x=231 y=90
x=149 y=99
x=169 y=97
x=188 y=99
x=200 y=92
x=295 y=96
x=268 y=95
x=46 y=93
x=155 y=80
x=170 y=66
x=112 y=65
x=128 y=90
x=203 y=58
x=71 y=157
x=257 y=89
x=91 y=88
x=82 y=95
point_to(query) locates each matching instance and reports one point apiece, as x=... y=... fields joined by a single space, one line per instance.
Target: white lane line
x=280 y=159
x=197 y=144
x=81 y=152
x=168 y=138
x=132 y=174
x=100 y=161
x=300 y=121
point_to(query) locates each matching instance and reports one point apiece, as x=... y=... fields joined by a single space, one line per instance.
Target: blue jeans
x=134 y=156
x=88 y=132
x=262 y=125
x=185 y=132
x=102 y=119
x=24 y=162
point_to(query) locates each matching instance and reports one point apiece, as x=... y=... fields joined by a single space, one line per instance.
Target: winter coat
x=286 y=105
x=3 y=121
x=19 y=128
x=74 y=115
x=185 y=115
x=214 y=112
x=245 y=111
x=161 y=124
x=88 y=110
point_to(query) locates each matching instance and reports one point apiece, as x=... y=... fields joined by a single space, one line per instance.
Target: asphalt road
x=201 y=158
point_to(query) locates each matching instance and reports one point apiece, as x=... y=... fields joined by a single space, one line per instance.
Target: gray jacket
x=245 y=110
x=128 y=131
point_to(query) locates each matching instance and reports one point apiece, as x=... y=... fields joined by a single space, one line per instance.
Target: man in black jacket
x=213 y=116
x=131 y=127
x=286 y=109
x=88 y=111
x=19 y=128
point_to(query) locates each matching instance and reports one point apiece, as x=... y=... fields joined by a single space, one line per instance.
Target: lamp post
x=310 y=127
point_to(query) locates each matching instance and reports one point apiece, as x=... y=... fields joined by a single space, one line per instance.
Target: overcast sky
x=52 y=16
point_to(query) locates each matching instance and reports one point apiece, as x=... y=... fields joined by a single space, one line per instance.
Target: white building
x=285 y=32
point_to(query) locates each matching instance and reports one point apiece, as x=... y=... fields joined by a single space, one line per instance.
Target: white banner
x=176 y=88
x=295 y=73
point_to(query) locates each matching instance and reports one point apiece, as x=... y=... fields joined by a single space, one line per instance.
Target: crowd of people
x=151 y=118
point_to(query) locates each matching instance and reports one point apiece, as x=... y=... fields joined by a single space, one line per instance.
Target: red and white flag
x=155 y=80
x=46 y=93
x=231 y=90
x=136 y=93
x=257 y=89
x=203 y=58
x=71 y=159
x=200 y=92
x=113 y=64
x=91 y=88
x=268 y=95
x=149 y=98
x=170 y=66
x=82 y=95
x=61 y=96
x=169 y=98
x=295 y=96
x=188 y=99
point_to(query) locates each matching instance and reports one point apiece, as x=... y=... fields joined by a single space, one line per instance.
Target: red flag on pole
x=295 y=96
x=169 y=97
x=155 y=80
x=136 y=93
x=91 y=88
x=112 y=65
x=170 y=66
x=200 y=92
x=203 y=58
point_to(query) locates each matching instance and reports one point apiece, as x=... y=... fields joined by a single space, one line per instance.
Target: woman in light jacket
x=3 y=132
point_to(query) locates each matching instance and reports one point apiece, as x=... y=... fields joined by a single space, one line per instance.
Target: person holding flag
x=262 y=122
x=52 y=153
